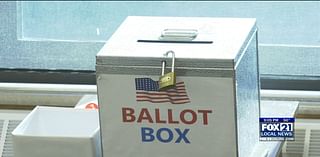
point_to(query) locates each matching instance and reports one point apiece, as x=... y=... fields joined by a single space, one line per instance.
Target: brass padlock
x=167 y=80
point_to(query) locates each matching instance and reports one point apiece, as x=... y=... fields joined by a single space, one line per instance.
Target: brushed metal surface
x=247 y=99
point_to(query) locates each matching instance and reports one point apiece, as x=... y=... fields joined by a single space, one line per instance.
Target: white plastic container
x=58 y=132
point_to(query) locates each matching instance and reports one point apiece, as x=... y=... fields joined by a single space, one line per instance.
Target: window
x=65 y=36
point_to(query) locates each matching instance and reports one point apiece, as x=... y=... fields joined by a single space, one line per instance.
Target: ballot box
x=179 y=87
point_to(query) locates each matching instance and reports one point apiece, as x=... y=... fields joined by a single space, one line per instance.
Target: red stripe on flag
x=164 y=100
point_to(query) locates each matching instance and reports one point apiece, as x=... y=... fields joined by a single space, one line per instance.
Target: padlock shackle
x=173 y=59
x=163 y=66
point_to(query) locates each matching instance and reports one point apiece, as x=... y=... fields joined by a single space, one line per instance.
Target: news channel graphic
x=277 y=129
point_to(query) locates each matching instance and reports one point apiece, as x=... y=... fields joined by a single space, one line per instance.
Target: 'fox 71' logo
x=276 y=129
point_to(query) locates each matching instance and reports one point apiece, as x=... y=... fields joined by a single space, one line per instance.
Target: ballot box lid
x=205 y=42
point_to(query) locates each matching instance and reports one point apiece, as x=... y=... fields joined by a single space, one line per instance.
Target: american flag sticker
x=148 y=90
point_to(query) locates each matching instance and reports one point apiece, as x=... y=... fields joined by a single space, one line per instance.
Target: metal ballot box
x=210 y=110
